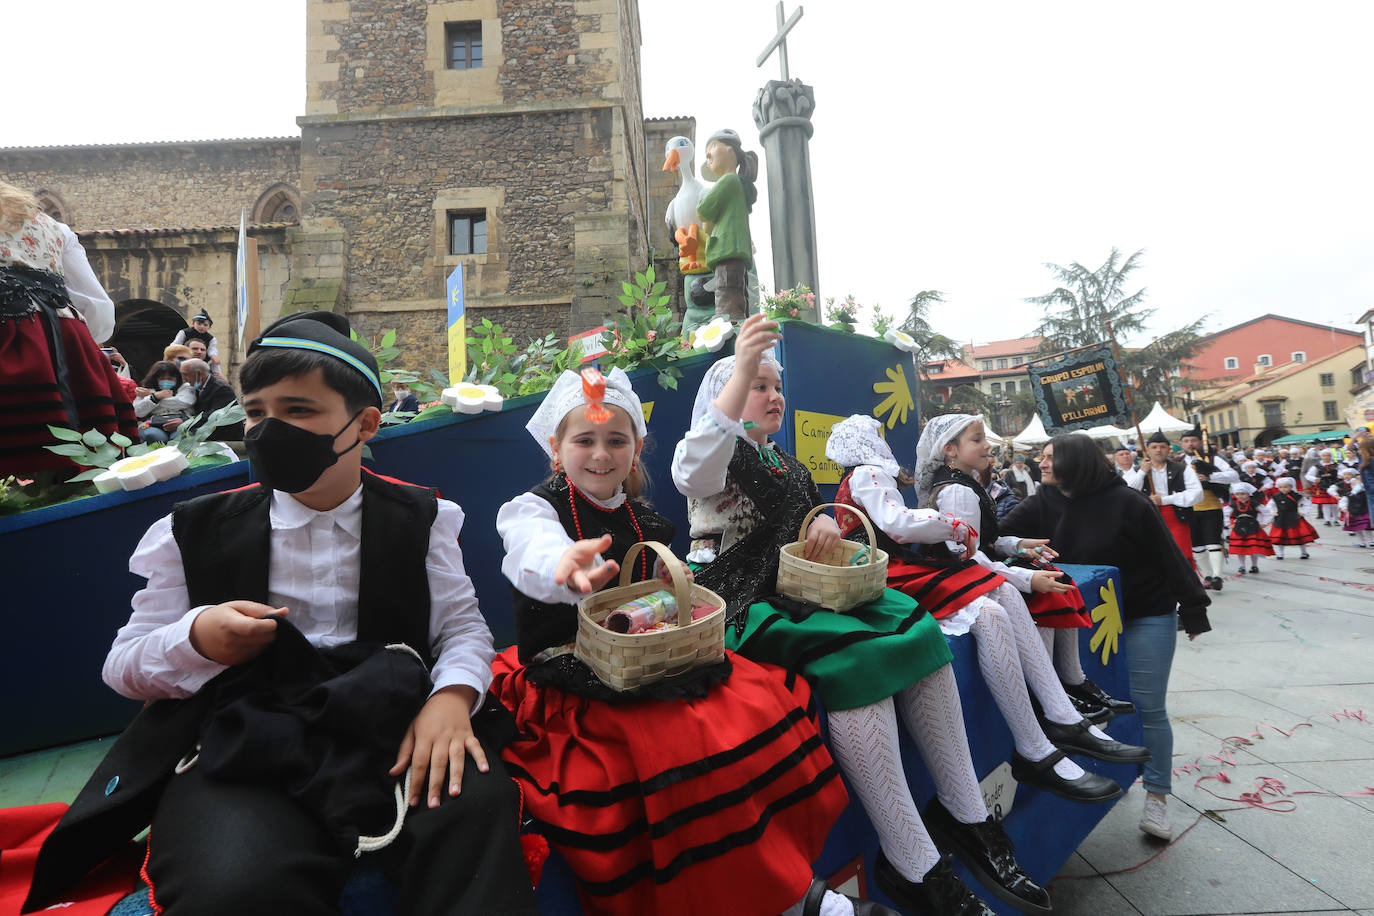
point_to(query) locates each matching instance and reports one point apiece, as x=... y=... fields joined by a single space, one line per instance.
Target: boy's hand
x=234 y=632
x=1045 y=581
x=756 y=336
x=437 y=742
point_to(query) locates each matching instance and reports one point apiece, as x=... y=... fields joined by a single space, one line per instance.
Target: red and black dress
x=1290 y=529
x=1328 y=475
x=1247 y=537
x=940 y=583
x=51 y=370
x=710 y=792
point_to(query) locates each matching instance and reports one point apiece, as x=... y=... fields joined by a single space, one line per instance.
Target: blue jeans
x=152 y=434
x=1150 y=643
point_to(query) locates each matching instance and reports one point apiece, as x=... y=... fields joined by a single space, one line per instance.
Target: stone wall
x=148 y=185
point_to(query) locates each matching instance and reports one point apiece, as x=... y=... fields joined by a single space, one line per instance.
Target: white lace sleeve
x=701 y=461
x=876 y=493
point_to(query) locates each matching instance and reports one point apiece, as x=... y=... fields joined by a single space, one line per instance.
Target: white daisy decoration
x=713 y=334
x=901 y=340
x=142 y=470
x=468 y=398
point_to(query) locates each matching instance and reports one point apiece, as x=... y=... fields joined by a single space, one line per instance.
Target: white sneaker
x=1155 y=820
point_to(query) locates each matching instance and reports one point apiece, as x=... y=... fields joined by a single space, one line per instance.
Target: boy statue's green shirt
x=725 y=205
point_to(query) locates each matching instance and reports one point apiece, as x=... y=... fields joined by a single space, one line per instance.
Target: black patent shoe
x=1090 y=691
x=811 y=903
x=1090 y=709
x=941 y=893
x=1077 y=739
x=1088 y=789
x=988 y=852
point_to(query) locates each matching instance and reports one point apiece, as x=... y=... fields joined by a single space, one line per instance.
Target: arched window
x=278 y=204
x=53 y=205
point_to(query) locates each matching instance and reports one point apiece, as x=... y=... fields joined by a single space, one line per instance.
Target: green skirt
x=852 y=659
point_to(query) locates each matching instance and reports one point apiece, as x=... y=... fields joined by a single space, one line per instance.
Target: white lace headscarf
x=1288 y=480
x=566 y=396
x=1241 y=486
x=855 y=441
x=930 y=450
x=714 y=382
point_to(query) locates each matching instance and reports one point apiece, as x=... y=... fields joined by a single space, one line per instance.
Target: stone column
x=782 y=112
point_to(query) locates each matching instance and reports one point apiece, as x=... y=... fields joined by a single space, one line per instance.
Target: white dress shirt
x=1224 y=473
x=1191 y=494
x=962 y=503
x=87 y=295
x=535 y=541
x=314 y=572
x=701 y=461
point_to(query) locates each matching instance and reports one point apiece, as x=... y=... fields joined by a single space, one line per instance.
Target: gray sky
x=958 y=146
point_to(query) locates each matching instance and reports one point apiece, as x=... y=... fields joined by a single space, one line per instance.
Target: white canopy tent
x=1109 y=432
x=1032 y=435
x=1160 y=419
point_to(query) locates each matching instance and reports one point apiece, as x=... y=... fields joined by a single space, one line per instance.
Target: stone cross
x=779 y=42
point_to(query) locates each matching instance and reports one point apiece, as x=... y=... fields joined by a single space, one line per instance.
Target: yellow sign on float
x=813 y=432
x=647 y=408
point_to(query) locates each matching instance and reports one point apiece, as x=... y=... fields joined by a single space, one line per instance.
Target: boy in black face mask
x=351 y=561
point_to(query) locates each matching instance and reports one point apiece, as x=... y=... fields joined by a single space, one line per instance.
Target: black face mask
x=288 y=458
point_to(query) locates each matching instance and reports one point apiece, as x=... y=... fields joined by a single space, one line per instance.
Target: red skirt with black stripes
x=30 y=398
x=945 y=587
x=1250 y=545
x=713 y=805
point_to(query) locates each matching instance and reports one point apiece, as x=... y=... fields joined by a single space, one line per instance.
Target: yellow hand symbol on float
x=898 y=402
x=1107 y=616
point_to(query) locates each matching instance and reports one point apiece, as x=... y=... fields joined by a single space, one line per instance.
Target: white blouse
x=184 y=399
x=1192 y=486
x=962 y=503
x=314 y=572
x=535 y=540
x=875 y=491
x=701 y=471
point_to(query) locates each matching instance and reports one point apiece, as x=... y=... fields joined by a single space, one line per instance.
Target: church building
x=505 y=136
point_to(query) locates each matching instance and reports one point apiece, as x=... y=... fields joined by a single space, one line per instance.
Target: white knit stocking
x=864 y=744
x=1066 y=660
x=832 y=904
x=997 y=658
x=1035 y=662
x=1278 y=551
x=934 y=717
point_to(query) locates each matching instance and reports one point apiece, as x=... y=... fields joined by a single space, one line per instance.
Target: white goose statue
x=681 y=216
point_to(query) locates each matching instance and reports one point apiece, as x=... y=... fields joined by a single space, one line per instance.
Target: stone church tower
x=503 y=135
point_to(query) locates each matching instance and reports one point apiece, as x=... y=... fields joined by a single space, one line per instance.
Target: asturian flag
x=241 y=278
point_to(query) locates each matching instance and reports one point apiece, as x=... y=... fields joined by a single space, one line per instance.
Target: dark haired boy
x=249 y=593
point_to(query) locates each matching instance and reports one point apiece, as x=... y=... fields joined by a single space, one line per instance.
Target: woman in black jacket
x=1092 y=517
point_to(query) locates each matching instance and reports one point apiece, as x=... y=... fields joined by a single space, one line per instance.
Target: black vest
x=539 y=626
x=225 y=543
x=1287 y=509
x=1173 y=470
x=203 y=336
x=987 y=511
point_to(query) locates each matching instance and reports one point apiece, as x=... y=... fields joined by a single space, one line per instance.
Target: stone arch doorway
x=143 y=328
x=1266 y=437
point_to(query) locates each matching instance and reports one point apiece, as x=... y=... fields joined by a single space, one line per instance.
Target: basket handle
x=682 y=589
x=872 y=537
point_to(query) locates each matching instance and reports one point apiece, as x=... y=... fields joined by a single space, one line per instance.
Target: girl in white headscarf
x=746 y=499
x=706 y=792
x=967 y=592
x=1246 y=512
x=1323 y=475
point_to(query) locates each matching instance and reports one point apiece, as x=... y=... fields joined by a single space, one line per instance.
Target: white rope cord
x=187 y=760
x=374 y=843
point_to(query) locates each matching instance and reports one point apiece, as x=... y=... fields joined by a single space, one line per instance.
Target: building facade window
x=1232 y=362
x=996 y=387
x=1264 y=359
x=1327 y=379
x=1001 y=364
x=1273 y=413
x=463 y=41
x=987 y=365
x=1230 y=419
x=1329 y=411
x=467 y=232
x=53 y=205
x=1299 y=356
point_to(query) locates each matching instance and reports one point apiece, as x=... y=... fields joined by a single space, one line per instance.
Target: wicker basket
x=831 y=582
x=623 y=661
